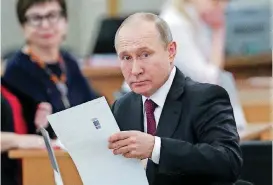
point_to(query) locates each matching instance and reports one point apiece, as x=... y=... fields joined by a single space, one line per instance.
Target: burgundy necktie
x=149 y=109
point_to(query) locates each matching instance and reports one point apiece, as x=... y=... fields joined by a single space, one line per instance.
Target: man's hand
x=44 y=109
x=132 y=144
x=31 y=141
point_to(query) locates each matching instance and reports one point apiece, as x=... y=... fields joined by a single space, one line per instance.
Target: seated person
x=18 y=131
x=41 y=70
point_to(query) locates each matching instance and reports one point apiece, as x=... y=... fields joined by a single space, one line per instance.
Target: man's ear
x=172 y=50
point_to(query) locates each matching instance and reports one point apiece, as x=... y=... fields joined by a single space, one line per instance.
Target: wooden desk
x=250 y=66
x=255 y=96
x=37 y=169
x=105 y=80
x=256 y=106
x=256 y=131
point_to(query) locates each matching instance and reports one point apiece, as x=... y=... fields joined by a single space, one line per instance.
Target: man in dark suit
x=185 y=129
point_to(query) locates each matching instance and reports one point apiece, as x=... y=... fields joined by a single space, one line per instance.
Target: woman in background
x=40 y=69
x=198 y=27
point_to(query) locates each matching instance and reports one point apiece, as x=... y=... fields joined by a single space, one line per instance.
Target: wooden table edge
x=19 y=153
x=260 y=128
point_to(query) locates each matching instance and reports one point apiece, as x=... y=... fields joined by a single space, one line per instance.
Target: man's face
x=145 y=61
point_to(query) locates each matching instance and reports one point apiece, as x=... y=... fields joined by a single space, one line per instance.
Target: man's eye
x=126 y=58
x=145 y=55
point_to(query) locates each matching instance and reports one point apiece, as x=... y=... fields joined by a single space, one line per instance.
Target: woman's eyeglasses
x=36 y=20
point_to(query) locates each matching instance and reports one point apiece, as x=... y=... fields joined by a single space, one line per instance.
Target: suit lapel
x=169 y=119
x=171 y=112
x=134 y=118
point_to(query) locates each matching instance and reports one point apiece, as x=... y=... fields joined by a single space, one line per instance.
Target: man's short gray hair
x=161 y=25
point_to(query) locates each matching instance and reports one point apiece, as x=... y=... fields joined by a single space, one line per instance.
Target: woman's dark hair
x=24 y=5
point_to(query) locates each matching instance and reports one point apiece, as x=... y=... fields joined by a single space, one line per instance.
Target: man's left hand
x=132 y=144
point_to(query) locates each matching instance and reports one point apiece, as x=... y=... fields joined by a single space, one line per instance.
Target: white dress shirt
x=159 y=98
x=193 y=38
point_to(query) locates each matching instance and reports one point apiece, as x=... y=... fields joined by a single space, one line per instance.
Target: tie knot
x=150 y=106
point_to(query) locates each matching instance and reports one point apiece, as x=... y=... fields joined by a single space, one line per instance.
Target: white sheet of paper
x=87 y=145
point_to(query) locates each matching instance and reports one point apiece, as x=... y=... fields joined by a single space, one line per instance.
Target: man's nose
x=136 y=68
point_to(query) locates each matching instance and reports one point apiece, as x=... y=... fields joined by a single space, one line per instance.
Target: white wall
x=11 y=35
x=83 y=20
x=129 y=6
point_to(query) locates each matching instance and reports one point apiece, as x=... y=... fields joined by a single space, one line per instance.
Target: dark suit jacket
x=199 y=139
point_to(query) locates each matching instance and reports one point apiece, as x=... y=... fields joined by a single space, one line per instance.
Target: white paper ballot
x=84 y=131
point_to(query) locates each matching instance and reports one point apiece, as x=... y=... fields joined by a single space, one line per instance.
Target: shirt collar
x=160 y=95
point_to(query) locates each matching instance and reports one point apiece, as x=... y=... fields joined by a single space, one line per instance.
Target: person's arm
x=11 y=140
x=216 y=21
x=217 y=154
x=217 y=47
x=8 y=141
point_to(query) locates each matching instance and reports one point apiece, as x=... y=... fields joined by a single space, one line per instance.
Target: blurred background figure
x=18 y=130
x=198 y=27
x=41 y=70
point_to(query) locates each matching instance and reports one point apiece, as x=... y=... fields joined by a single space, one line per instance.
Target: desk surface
x=30 y=153
x=254 y=131
x=252 y=60
x=101 y=71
